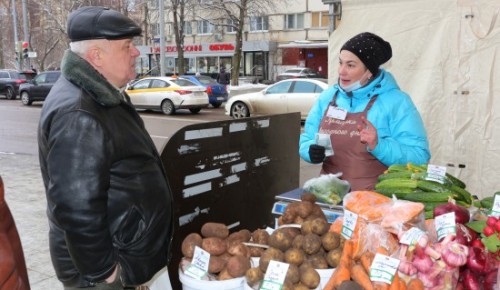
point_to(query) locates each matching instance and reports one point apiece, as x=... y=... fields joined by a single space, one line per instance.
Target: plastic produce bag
x=328 y=188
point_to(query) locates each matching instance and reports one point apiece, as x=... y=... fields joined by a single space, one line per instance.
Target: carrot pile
x=355 y=269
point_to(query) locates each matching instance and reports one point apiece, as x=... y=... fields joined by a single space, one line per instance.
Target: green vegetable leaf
x=477 y=226
x=492 y=243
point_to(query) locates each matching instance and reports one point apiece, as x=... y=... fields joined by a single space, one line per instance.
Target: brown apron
x=351 y=157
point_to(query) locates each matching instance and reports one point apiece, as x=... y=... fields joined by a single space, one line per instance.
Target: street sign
x=32 y=54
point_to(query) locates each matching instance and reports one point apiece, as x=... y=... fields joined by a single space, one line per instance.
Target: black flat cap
x=93 y=22
x=371 y=49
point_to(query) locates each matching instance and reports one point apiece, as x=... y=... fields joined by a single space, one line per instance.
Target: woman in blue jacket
x=370 y=121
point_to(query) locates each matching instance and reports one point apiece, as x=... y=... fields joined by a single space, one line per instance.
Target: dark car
x=10 y=80
x=38 y=88
x=217 y=93
x=299 y=72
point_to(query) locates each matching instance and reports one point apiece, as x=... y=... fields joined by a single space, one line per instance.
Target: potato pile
x=305 y=247
x=229 y=257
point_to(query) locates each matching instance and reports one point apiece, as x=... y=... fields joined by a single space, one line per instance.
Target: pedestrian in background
x=223 y=77
x=110 y=207
x=368 y=120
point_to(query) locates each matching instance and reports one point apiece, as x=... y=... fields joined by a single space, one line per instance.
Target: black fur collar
x=82 y=74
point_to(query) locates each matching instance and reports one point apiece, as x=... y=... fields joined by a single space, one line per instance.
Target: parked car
x=10 y=80
x=299 y=72
x=38 y=88
x=217 y=93
x=292 y=95
x=167 y=94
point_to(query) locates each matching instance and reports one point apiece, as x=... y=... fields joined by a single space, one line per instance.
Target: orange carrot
x=366 y=260
x=402 y=284
x=395 y=283
x=342 y=272
x=415 y=284
x=382 y=250
x=360 y=276
x=380 y=286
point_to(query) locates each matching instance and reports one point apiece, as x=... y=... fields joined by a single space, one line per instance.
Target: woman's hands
x=367 y=133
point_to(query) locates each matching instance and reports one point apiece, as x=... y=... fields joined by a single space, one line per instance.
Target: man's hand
x=113 y=277
x=367 y=133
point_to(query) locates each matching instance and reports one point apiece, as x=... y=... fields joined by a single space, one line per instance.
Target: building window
x=153 y=4
x=294 y=21
x=319 y=19
x=259 y=23
x=230 y=28
x=188 y=30
x=205 y=27
x=155 y=29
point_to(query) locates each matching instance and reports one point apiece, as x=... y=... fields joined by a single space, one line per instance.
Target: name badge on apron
x=336 y=113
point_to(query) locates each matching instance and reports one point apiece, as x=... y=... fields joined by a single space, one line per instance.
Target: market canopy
x=446 y=56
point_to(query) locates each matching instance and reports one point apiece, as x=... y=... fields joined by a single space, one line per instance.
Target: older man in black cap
x=369 y=121
x=109 y=201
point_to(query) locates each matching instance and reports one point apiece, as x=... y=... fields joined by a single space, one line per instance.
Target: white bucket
x=324 y=276
x=189 y=283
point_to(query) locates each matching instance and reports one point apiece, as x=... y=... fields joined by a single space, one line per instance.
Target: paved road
x=26 y=198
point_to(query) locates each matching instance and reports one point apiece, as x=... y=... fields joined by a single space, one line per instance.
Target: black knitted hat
x=371 y=49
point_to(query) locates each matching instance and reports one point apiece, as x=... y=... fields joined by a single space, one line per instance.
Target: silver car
x=292 y=95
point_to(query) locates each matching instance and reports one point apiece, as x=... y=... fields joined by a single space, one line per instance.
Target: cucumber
x=433 y=186
x=463 y=194
x=429 y=196
x=400 y=193
x=395 y=174
x=397 y=168
x=396 y=183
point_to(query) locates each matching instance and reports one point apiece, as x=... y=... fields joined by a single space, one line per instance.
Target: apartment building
x=289 y=33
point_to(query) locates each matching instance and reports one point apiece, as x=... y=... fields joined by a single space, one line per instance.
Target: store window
x=205 y=27
x=207 y=64
x=259 y=23
x=226 y=63
x=319 y=19
x=255 y=64
x=294 y=21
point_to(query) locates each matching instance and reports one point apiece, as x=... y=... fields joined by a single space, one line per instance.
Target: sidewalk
x=26 y=199
x=25 y=196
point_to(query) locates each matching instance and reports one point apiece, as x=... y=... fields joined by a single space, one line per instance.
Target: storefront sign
x=201 y=48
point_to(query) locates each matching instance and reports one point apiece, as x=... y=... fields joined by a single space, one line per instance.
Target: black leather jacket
x=109 y=200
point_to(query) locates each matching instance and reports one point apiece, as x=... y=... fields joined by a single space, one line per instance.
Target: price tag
x=436 y=173
x=349 y=224
x=336 y=113
x=325 y=141
x=199 y=264
x=383 y=269
x=495 y=210
x=275 y=276
x=445 y=225
x=411 y=236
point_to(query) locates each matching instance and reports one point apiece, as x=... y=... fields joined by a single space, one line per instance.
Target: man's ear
x=94 y=56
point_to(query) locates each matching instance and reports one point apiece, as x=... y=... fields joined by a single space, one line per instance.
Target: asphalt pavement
x=26 y=199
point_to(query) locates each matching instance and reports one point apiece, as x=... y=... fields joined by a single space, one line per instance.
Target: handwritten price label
x=349 y=224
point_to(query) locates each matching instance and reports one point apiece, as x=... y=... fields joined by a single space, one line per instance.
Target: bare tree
x=234 y=14
x=178 y=12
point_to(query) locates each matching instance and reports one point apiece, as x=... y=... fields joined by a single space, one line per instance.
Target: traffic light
x=25 y=49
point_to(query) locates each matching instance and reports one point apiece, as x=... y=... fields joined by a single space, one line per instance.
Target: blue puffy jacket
x=401 y=133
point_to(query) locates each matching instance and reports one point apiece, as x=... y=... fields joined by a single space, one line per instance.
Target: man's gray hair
x=81 y=47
